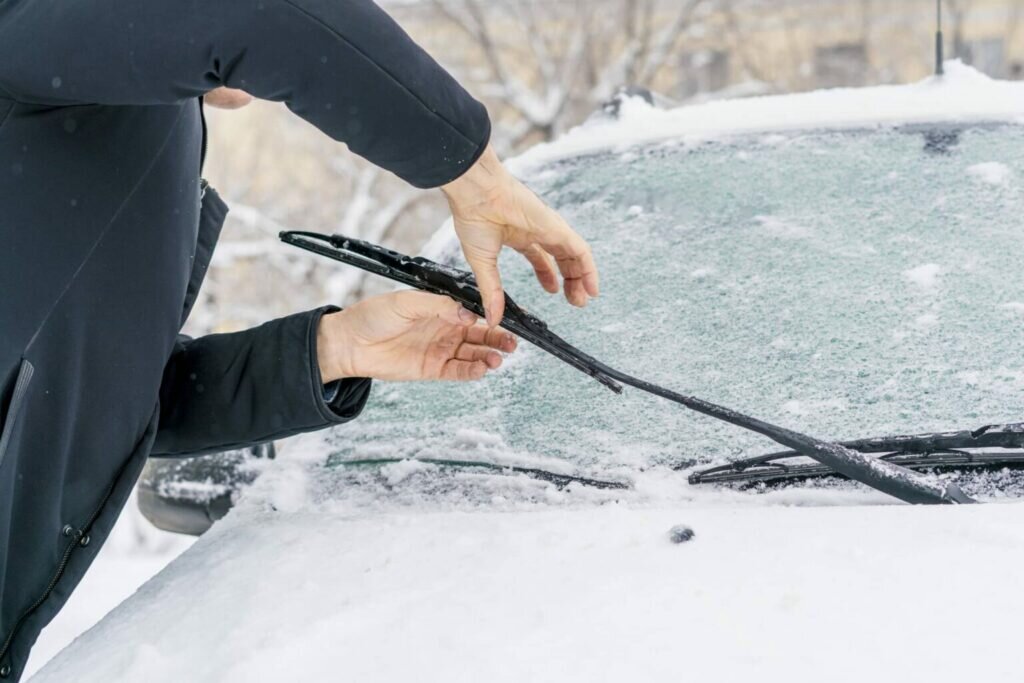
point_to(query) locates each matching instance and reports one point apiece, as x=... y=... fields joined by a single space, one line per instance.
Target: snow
x=925 y=276
x=962 y=95
x=766 y=594
x=1016 y=307
x=992 y=173
x=781 y=228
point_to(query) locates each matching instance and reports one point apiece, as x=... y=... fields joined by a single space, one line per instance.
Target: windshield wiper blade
x=936 y=450
x=560 y=481
x=428 y=276
x=461 y=286
x=774 y=470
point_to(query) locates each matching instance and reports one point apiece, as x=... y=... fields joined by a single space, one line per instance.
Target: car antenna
x=939 y=70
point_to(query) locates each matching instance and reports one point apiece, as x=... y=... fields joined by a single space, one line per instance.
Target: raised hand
x=492 y=209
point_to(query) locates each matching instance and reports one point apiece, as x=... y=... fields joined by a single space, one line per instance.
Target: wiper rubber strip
x=428 y=276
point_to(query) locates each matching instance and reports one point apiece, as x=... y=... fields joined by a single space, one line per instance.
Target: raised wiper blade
x=775 y=470
x=461 y=286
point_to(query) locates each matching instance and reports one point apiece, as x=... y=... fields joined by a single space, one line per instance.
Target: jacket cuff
x=340 y=401
x=444 y=173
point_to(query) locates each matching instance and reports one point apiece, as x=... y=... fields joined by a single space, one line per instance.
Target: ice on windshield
x=844 y=284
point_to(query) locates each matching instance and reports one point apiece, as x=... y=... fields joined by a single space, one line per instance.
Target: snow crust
x=963 y=94
x=775 y=594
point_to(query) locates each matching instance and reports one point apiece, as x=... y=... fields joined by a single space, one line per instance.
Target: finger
x=571 y=251
x=488 y=279
x=494 y=337
x=456 y=370
x=576 y=292
x=421 y=305
x=576 y=262
x=543 y=266
x=473 y=352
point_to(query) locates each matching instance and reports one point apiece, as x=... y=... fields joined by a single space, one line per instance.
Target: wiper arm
x=461 y=286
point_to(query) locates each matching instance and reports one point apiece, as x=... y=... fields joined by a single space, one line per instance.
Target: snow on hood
x=963 y=94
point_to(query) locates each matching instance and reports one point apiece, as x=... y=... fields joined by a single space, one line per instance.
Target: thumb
x=488 y=279
x=421 y=305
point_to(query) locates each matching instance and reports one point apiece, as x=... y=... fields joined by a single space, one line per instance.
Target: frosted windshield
x=843 y=284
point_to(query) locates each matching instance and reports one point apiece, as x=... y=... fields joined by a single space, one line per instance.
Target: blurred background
x=542 y=67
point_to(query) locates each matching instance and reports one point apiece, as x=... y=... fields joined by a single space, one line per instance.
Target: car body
x=843 y=262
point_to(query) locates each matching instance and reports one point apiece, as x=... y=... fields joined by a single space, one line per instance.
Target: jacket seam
x=8 y=95
x=103 y=233
x=391 y=76
x=7 y=114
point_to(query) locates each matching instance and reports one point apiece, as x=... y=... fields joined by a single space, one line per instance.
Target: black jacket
x=105 y=234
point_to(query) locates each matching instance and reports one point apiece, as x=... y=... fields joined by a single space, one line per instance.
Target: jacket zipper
x=77 y=535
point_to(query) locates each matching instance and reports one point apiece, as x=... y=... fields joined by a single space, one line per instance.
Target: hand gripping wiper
x=937 y=451
x=460 y=285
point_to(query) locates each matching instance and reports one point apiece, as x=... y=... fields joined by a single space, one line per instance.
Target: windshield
x=844 y=284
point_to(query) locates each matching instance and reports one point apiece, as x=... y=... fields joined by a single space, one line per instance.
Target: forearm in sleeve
x=228 y=391
x=343 y=65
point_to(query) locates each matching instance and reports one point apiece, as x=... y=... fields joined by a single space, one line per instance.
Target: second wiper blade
x=936 y=450
x=777 y=470
x=460 y=285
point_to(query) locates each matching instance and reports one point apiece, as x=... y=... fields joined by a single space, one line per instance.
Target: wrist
x=475 y=183
x=334 y=349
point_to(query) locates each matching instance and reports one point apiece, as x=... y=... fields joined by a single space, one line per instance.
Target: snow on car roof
x=963 y=94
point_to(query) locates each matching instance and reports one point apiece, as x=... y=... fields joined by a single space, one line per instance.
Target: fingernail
x=466 y=315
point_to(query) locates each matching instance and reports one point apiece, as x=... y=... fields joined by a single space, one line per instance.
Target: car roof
x=962 y=95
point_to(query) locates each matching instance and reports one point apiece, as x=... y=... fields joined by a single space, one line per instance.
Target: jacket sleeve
x=227 y=391
x=343 y=65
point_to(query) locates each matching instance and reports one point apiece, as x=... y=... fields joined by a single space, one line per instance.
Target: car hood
x=795 y=594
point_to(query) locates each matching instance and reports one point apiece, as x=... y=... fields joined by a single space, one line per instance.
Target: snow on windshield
x=844 y=284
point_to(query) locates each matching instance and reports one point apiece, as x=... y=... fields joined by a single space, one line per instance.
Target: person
x=106 y=230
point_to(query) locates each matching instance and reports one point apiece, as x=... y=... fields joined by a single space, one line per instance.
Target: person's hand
x=408 y=336
x=491 y=209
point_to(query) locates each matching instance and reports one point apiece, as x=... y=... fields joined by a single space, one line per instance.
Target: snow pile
x=963 y=94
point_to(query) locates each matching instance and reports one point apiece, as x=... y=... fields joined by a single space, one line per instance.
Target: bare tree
x=549 y=63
